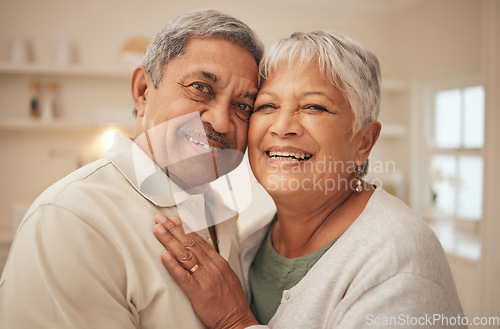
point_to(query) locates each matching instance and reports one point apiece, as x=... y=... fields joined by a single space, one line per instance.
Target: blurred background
x=64 y=88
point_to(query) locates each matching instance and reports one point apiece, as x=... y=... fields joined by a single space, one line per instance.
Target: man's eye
x=200 y=87
x=243 y=111
x=244 y=108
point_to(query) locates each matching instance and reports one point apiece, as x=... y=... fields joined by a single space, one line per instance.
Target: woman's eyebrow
x=320 y=93
x=266 y=93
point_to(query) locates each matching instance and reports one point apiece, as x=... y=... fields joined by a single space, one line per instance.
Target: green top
x=270 y=274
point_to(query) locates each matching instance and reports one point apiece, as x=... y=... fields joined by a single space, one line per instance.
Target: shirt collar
x=154 y=185
x=143 y=174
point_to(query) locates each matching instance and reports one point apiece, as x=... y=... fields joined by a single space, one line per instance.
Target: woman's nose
x=286 y=123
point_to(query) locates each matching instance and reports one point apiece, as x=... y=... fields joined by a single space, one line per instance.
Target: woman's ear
x=366 y=139
x=139 y=86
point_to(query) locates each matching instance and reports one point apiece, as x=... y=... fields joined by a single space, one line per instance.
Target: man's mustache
x=210 y=133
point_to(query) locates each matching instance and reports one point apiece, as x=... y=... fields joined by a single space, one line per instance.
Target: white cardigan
x=388 y=270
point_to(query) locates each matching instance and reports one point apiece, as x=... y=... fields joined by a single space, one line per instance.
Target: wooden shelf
x=59 y=125
x=122 y=72
x=77 y=71
x=388 y=130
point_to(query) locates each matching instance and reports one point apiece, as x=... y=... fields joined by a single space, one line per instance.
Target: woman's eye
x=316 y=108
x=265 y=108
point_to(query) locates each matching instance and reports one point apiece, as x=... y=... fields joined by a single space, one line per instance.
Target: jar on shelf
x=49 y=102
x=34 y=104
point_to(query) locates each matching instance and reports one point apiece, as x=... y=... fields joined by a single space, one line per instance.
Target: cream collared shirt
x=85 y=255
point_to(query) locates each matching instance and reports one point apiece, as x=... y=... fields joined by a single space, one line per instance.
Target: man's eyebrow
x=251 y=96
x=210 y=76
x=207 y=75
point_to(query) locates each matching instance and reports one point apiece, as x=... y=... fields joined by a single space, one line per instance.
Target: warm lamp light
x=106 y=139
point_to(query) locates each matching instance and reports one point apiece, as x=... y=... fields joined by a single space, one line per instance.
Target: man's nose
x=219 y=115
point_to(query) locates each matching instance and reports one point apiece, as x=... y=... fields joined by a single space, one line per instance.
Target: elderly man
x=85 y=255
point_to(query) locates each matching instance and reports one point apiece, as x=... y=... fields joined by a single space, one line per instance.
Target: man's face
x=197 y=118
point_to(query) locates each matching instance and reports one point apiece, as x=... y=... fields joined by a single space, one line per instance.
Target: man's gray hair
x=351 y=68
x=171 y=41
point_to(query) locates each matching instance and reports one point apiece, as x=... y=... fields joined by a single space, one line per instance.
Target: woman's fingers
x=190 y=250
x=205 y=277
x=164 y=232
x=186 y=281
x=192 y=240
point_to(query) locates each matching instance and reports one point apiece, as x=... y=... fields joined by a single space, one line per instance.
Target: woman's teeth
x=278 y=155
x=205 y=146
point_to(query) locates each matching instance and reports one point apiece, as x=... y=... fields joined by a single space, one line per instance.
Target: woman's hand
x=205 y=277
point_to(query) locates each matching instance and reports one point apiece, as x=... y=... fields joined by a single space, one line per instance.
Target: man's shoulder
x=94 y=196
x=82 y=189
x=85 y=175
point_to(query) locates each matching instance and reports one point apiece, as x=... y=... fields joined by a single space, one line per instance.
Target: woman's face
x=300 y=135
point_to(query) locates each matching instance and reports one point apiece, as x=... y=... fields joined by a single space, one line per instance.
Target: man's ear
x=366 y=139
x=139 y=87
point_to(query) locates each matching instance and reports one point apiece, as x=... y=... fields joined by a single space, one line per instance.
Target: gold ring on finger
x=194 y=268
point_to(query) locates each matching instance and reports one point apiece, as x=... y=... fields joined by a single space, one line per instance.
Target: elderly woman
x=340 y=253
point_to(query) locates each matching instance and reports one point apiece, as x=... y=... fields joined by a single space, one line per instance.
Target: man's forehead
x=216 y=50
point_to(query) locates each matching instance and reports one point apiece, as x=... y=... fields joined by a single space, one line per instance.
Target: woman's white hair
x=350 y=67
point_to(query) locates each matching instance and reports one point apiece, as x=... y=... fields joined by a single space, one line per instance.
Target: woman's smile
x=282 y=156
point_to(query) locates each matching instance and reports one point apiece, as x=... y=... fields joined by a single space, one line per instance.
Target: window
x=456 y=127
